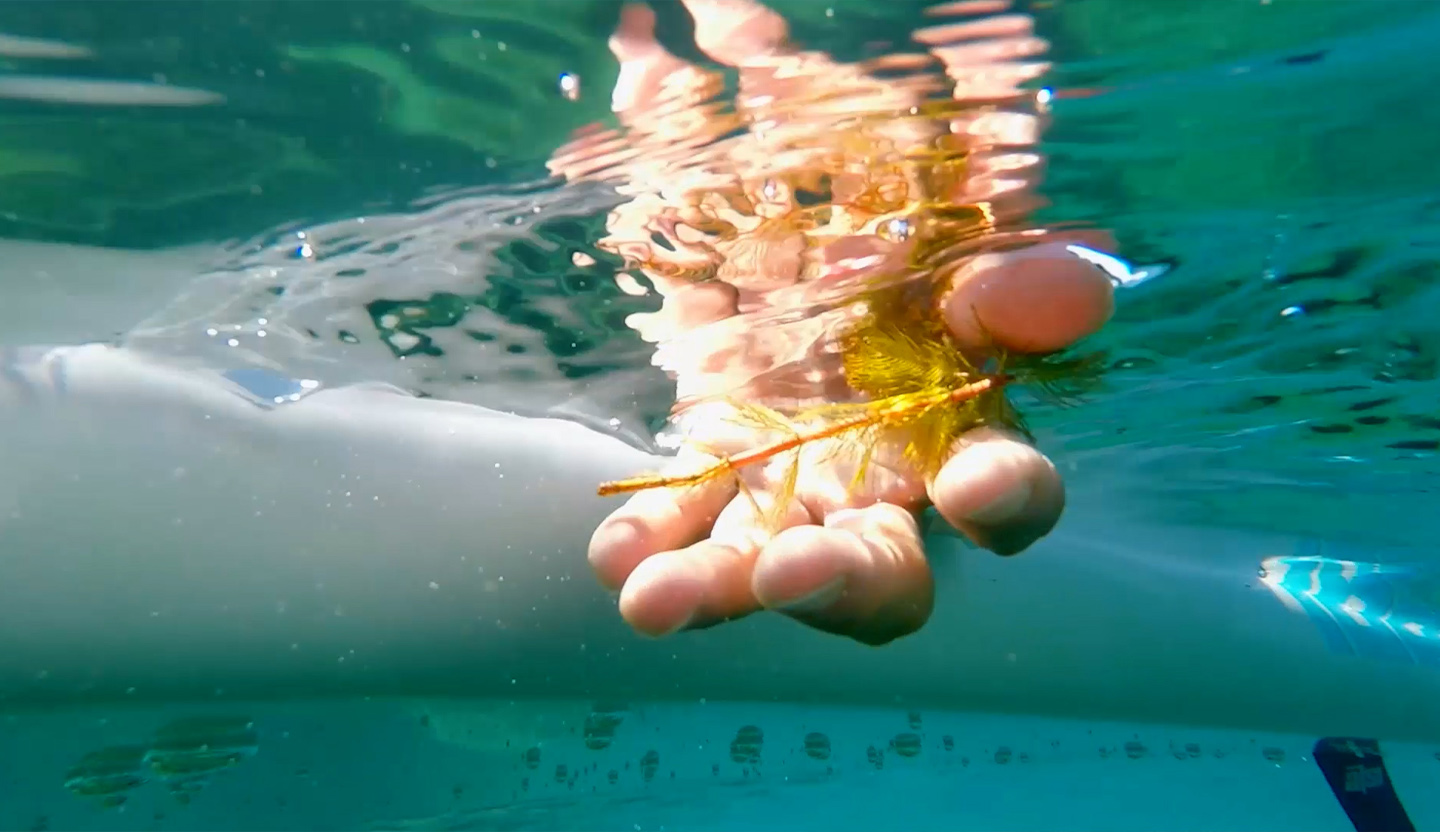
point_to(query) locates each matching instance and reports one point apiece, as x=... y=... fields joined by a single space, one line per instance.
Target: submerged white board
x=171 y=533
x=548 y=765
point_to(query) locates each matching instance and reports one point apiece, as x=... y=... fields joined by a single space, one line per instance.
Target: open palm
x=840 y=557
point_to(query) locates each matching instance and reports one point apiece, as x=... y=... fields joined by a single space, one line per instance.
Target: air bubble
x=570 y=86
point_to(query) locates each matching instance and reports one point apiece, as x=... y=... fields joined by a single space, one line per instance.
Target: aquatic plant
x=917 y=385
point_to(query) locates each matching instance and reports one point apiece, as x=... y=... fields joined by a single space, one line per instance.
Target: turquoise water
x=358 y=192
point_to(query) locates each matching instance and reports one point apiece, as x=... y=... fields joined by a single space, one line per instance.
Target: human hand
x=844 y=559
x=851 y=560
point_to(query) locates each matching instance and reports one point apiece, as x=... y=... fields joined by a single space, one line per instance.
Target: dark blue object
x=1355 y=770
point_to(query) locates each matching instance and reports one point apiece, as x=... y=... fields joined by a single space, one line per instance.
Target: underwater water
x=340 y=624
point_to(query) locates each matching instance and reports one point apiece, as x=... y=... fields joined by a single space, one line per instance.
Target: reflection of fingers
x=989 y=57
x=1000 y=492
x=659 y=520
x=863 y=574
x=1037 y=299
x=644 y=64
x=684 y=310
x=634 y=36
x=735 y=31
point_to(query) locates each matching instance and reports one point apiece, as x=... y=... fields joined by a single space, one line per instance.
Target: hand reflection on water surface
x=759 y=223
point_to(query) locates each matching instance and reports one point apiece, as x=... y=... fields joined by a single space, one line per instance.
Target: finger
x=1002 y=493
x=701 y=584
x=862 y=575
x=705 y=583
x=1037 y=299
x=658 y=520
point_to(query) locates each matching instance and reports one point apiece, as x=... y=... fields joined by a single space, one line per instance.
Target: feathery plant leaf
x=918 y=387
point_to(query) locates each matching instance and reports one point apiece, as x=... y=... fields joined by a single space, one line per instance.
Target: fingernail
x=1003 y=507
x=818 y=599
x=684 y=624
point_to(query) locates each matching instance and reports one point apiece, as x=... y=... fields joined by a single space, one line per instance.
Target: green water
x=1277 y=154
x=1277 y=157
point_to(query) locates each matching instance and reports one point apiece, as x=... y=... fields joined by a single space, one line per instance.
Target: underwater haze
x=418 y=197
